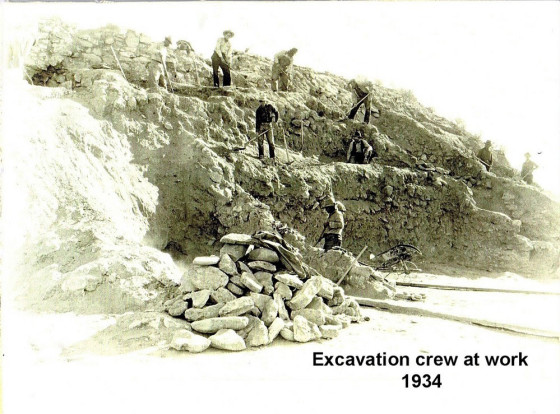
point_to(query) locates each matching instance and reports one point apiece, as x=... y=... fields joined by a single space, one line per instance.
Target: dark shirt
x=266 y=113
x=485 y=155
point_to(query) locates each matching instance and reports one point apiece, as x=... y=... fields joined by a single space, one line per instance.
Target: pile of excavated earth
x=116 y=186
x=258 y=288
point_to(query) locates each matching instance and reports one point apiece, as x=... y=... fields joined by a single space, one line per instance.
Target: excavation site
x=144 y=229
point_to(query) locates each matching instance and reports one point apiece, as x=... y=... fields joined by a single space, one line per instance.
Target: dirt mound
x=121 y=171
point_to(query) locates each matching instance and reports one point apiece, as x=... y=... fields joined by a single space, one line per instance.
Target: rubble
x=250 y=311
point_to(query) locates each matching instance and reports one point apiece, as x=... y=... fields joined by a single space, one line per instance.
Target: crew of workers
x=485 y=156
x=163 y=68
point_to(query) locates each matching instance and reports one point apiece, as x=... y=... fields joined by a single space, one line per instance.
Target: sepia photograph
x=280 y=207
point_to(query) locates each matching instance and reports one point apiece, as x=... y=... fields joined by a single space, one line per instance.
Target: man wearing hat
x=266 y=114
x=335 y=223
x=221 y=58
x=282 y=69
x=485 y=155
x=162 y=62
x=359 y=150
x=527 y=169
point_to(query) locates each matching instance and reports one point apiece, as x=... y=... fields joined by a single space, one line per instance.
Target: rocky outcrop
x=181 y=182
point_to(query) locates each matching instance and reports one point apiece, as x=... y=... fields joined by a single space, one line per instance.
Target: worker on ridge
x=282 y=69
x=157 y=67
x=265 y=115
x=184 y=60
x=221 y=58
x=527 y=169
x=363 y=90
x=335 y=223
x=485 y=155
x=359 y=150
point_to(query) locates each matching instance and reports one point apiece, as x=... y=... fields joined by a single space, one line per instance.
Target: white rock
x=206 y=260
x=250 y=283
x=312 y=315
x=289 y=279
x=184 y=340
x=204 y=277
x=270 y=311
x=236 y=238
x=200 y=298
x=287 y=334
x=222 y=295
x=237 y=307
x=283 y=290
x=263 y=254
x=208 y=312
x=215 y=324
x=235 y=251
x=258 y=335
x=306 y=294
x=228 y=340
x=304 y=330
x=274 y=329
x=261 y=265
x=227 y=265
x=233 y=288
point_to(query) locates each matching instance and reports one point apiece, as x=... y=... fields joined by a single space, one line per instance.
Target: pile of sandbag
x=256 y=290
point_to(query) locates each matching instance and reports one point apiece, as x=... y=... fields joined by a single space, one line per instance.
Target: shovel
x=248 y=142
x=354 y=107
x=286 y=148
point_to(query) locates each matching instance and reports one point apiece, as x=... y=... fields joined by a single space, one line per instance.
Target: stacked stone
x=61 y=52
x=247 y=298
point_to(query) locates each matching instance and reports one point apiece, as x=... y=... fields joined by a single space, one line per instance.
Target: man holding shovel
x=527 y=169
x=266 y=114
x=362 y=89
x=485 y=155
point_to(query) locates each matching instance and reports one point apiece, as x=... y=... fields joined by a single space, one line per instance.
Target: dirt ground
x=50 y=364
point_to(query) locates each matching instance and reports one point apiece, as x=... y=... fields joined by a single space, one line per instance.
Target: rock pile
x=256 y=290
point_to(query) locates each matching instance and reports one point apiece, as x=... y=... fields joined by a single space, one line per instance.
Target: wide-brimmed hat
x=228 y=33
x=168 y=40
x=329 y=201
x=488 y=142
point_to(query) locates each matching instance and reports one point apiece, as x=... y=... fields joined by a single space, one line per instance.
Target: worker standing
x=527 y=169
x=156 y=66
x=265 y=115
x=221 y=58
x=485 y=155
x=282 y=69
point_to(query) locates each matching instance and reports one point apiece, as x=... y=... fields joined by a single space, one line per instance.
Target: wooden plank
x=474 y=289
x=411 y=310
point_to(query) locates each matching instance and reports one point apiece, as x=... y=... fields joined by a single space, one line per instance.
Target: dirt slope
x=110 y=173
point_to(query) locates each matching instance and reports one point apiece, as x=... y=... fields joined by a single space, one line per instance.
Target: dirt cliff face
x=177 y=180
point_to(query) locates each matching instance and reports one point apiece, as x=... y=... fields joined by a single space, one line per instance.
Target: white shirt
x=223 y=49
